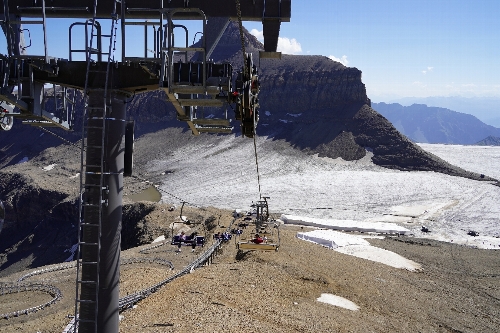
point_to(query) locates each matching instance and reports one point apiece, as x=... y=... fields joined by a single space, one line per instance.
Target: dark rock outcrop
x=41 y=224
x=37 y=229
x=135 y=230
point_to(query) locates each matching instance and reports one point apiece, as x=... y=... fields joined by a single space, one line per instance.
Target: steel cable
x=256 y=162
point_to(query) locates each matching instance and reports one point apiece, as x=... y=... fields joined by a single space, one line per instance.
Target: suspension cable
x=60 y=137
x=246 y=74
x=133 y=176
x=256 y=162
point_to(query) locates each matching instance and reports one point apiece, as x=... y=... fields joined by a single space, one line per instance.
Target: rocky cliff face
x=321 y=106
x=309 y=84
x=312 y=102
x=37 y=228
x=41 y=222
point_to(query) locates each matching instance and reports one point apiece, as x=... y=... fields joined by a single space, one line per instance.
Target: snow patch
x=159 y=239
x=346 y=225
x=49 y=167
x=357 y=246
x=338 y=301
x=379 y=255
x=331 y=239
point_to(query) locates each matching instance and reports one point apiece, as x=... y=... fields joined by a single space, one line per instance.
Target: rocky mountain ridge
x=489 y=141
x=313 y=103
x=426 y=124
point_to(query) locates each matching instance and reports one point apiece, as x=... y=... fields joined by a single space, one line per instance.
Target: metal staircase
x=93 y=172
x=195 y=85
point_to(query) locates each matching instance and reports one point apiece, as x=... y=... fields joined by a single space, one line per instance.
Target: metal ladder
x=90 y=213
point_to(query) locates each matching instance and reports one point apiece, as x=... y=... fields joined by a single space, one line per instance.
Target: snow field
x=224 y=175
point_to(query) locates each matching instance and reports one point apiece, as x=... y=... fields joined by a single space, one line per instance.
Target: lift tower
x=108 y=76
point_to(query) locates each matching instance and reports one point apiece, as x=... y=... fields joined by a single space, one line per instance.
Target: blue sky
x=405 y=48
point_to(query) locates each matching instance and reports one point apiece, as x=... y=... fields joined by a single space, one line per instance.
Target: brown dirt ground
x=458 y=290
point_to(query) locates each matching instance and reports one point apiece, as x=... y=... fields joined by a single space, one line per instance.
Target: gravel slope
x=457 y=291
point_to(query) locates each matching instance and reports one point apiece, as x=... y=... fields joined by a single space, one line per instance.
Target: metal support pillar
x=271 y=31
x=111 y=209
x=216 y=26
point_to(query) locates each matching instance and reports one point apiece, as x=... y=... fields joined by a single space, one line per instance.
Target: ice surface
x=224 y=175
x=357 y=246
x=345 y=225
x=480 y=159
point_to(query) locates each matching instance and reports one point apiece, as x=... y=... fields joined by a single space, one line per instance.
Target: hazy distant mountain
x=425 y=124
x=487 y=109
x=489 y=141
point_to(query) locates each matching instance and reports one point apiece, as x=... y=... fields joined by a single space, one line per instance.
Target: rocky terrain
x=310 y=103
x=455 y=291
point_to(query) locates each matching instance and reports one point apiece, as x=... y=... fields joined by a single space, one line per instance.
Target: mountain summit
x=320 y=105
x=314 y=103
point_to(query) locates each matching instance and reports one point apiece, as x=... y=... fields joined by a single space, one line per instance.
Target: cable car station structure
x=186 y=75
